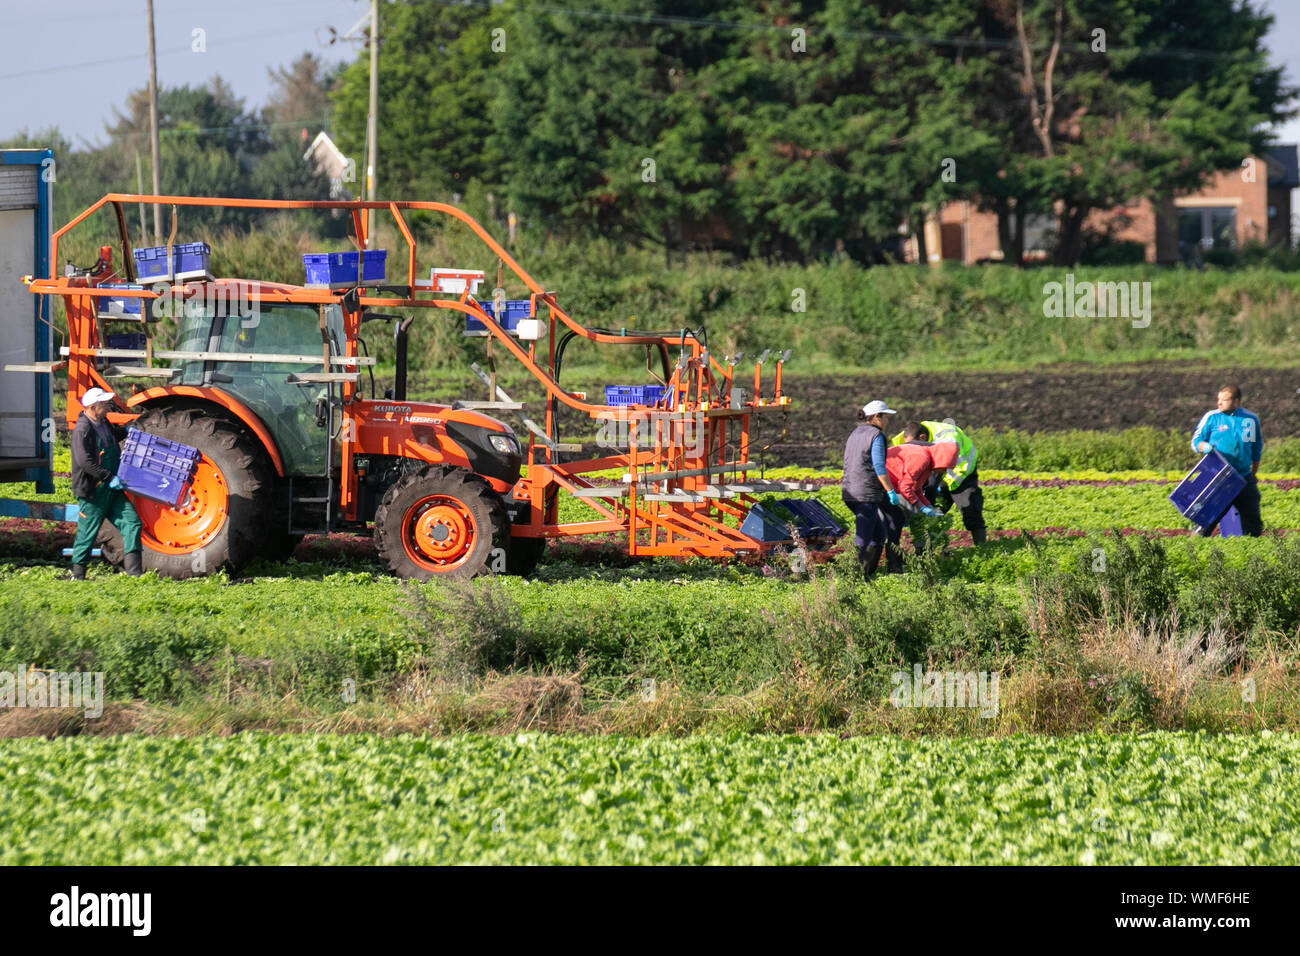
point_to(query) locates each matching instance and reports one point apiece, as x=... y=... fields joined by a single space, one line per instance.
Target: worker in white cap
x=867 y=489
x=96 y=453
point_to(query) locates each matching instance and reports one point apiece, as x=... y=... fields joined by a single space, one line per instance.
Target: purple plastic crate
x=634 y=394
x=188 y=259
x=1208 y=490
x=157 y=468
x=338 y=270
x=515 y=309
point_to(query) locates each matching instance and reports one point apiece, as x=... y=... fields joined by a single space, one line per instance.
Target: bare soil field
x=1166 y=396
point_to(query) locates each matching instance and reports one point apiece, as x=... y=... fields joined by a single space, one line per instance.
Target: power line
x=130 y=57
x=182 y=131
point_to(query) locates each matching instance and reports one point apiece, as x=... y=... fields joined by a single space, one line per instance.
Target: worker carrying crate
x=100 y=493
x=1233 y=433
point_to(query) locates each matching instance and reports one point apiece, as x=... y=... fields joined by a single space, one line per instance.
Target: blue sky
x=71 y=62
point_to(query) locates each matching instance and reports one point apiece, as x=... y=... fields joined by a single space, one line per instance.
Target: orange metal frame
x=676 y=446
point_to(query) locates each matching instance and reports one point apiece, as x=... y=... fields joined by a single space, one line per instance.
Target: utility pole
x=139 y=188
x=372 y=121
x=153 y=126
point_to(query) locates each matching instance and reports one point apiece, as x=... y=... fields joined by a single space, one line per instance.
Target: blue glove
x=1204 y=448
x=116 y=483
x=894 y=499
x=929 y=512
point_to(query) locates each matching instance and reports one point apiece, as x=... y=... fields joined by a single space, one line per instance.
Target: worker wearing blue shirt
x=1234 y=433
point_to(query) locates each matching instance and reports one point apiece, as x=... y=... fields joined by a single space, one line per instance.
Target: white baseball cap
x=877 y=408
x=94 y=396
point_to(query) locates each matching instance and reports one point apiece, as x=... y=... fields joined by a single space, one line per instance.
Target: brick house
x=1250 y=204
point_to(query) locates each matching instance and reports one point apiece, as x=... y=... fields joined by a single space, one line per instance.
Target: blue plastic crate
x=125 y=340
x=812 y=520
x=189 y=259
x=124 y=306
x=1230 y=524
x=1208 y=490
x=338 y=270
x=764 y=526
x=514 y=310
x=157 y=468
x=122 y=340
x=634 y=394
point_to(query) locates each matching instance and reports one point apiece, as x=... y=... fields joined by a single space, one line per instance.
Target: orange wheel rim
x=194 y=522
x=438 y=533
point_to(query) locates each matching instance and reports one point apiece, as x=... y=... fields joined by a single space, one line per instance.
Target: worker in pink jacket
x=910 y=466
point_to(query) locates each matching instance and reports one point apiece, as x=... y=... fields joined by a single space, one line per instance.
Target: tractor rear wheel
x=223 y=518
x=442 y=522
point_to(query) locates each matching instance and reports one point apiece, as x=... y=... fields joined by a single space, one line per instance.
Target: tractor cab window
x=287 y=408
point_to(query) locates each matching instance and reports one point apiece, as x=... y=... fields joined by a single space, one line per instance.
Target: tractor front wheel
x=442 y=522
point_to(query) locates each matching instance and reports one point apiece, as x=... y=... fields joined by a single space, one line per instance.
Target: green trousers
x=117 y=508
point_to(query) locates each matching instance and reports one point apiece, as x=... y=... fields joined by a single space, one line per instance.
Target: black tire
x=248 y=479
x=479 y=541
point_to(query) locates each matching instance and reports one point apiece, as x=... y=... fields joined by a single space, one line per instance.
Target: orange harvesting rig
x=266 y=381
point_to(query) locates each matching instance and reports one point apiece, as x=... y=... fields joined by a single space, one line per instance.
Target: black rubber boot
x=131 y=564
x=870 y=558
x=78 y=572
x=894 y=559
x=979 y=535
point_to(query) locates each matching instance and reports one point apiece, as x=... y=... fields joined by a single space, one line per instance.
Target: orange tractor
x=271 y=394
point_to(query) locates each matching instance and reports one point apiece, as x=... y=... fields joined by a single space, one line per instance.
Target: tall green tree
x=1099 y=102
x=435 y=122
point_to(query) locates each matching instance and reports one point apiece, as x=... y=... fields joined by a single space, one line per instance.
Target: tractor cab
x=280 y=356
x=284 y=394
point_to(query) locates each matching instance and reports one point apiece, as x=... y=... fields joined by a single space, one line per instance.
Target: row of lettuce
x=1067 y=609
x=250 y=799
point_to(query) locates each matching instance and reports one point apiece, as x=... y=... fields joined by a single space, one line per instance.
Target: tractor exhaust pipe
x=400 y=329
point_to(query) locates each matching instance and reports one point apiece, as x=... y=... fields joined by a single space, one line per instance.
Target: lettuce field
x=621 y=711
x=533 y=798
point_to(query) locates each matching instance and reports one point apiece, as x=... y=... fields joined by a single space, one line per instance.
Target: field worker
x=95 y=457
x=866 y=486
x=1234 y=433
x=960 y=484
x=910 y=466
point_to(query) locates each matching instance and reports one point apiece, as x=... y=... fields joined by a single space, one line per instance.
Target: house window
x=1210 y=227
x=1040 y=233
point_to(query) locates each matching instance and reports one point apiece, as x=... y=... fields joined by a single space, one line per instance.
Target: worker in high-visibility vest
x=959 y=485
